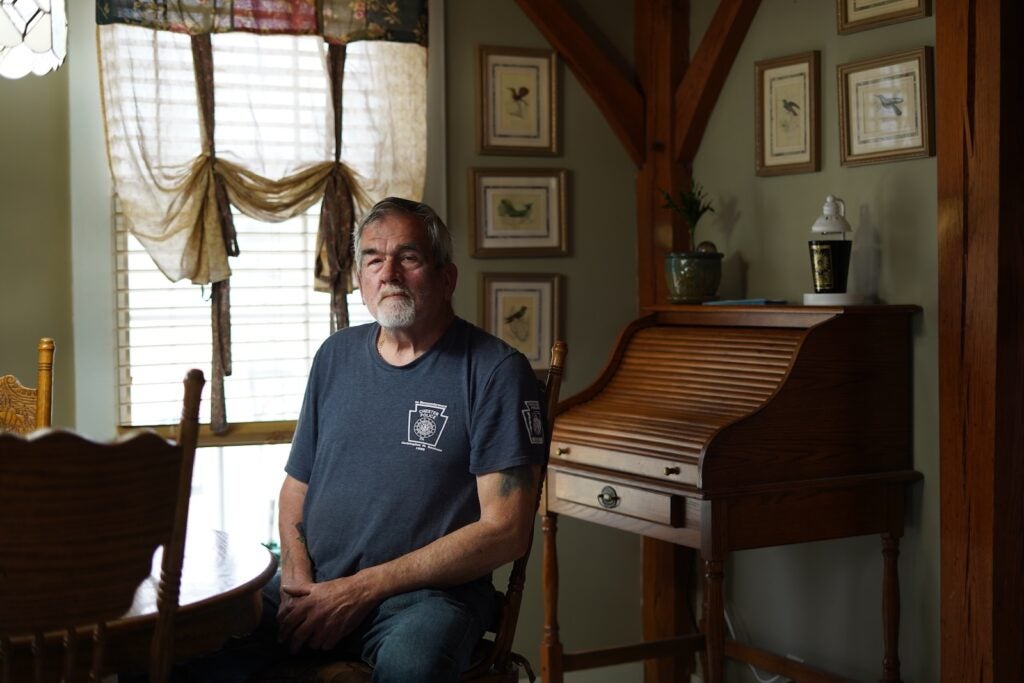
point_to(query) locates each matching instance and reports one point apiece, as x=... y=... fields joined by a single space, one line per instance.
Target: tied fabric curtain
x=170 y=70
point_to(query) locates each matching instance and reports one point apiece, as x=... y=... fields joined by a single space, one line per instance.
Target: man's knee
x=430 y=640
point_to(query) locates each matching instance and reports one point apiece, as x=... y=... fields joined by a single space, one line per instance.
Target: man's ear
x=451 y=277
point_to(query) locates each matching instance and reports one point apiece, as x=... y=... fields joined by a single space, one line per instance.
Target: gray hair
x=437 y=231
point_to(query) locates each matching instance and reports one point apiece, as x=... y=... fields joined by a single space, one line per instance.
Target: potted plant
x=693 y=276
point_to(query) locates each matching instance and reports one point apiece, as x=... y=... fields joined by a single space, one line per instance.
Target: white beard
x=396 y=312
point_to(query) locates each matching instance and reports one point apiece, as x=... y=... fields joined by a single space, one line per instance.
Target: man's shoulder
x=484 y=343
x=348 y=336
x=491 y=355
x=341 y=344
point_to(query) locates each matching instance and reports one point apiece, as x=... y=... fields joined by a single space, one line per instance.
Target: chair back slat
x=80 y=522
x=500 y=654
x=44 y=382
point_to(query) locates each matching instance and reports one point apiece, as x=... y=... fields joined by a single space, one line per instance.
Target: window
x=273 y=116
x=277 y=324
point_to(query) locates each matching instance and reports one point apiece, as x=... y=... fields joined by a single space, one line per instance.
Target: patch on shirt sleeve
x=534 y=422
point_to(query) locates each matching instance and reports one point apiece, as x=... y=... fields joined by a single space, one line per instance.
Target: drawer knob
x=671 y=470
x=608 y=498
x=562 y=451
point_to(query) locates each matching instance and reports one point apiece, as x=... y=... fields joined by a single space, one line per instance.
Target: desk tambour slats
x=749 y=396
x=731 y=428
x=676 y=386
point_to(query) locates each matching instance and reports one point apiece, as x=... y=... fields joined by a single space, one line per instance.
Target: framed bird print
x=518 y=212
x=858 y=15
x=786 y=120
x=517 y=91
x=524 y=310
x=885 y=108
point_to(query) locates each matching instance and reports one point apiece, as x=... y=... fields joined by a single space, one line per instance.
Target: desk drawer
x=663 y=469
x=661 y=508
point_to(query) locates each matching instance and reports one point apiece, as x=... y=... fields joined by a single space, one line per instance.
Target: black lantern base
x=830 y=265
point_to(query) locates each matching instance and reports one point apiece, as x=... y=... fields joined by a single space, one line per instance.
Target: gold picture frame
x=860 y=15
x=886 y=111
x=525 y=311
x=517 y=94
x=518 y=212
x=786 y=114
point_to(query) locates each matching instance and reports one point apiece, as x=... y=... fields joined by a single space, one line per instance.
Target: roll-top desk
x=728 y=428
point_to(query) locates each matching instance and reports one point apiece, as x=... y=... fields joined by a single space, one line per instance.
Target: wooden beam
x=698 y=93
x=662 y=46
x=667 y=569
x=597 y=68
x=981 y=339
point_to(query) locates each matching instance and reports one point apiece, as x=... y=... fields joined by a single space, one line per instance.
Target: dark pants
x=423 y=636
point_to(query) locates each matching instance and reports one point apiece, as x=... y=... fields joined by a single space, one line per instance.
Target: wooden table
x=220 y=597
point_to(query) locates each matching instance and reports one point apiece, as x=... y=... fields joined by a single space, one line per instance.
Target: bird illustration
x=518 y=325
x=518 y=105
x=890 y=103
x=507 y=208
x=516 y=315
x=790 y=106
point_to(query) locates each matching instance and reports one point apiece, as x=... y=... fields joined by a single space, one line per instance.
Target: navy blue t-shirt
x=390 y=454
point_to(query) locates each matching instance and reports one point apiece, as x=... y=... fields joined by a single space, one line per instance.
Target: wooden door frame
x=981 y=354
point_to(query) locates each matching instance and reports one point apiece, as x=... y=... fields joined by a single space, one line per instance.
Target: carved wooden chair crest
x=79 y=523
x=23 y=409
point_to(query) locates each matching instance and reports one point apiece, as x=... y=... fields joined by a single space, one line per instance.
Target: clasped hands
x=319 y=615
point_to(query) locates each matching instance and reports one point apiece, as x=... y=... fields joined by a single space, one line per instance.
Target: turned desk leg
x=890 y=608
x=550 y=647
x=714 y=621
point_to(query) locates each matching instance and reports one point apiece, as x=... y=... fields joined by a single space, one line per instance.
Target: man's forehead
x=370 y=248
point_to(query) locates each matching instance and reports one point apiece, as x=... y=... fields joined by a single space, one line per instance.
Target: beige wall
x=35 y=263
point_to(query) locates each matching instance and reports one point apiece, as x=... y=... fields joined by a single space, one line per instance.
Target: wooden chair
x=23 y=409
x=494 y=660
x=79 y=523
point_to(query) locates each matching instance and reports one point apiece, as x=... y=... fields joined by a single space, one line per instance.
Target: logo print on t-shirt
x=534 y=421
x=426 y=423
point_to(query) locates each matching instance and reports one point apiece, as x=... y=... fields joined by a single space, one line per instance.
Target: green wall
x=35 y=263
x=819 y=602
x=822 y=601
x=816 y=601
x=599 y=596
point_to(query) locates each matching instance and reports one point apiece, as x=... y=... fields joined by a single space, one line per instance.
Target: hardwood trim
x=777 y=664
x=696 y=96
x=667 y=647
x=981 y=354
x=598 y=69
x=238 y=433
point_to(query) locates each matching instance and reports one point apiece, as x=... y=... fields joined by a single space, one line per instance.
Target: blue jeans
x=424 y=636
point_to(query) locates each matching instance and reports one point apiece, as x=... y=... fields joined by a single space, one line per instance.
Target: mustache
x=393 y=290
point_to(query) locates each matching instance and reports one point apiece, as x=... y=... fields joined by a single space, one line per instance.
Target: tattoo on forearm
x=300 y=536
x=516 y=478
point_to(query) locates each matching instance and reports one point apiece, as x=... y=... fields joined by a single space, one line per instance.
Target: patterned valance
x=338 y=21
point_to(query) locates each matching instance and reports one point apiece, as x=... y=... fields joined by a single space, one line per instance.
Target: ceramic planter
x=693 y=276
